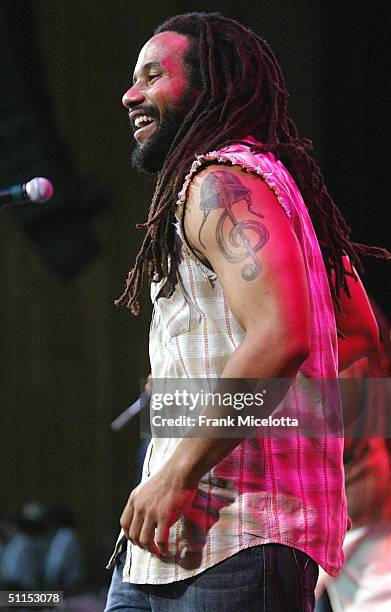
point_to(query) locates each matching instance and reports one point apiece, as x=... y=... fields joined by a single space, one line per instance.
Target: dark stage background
x=71 y=361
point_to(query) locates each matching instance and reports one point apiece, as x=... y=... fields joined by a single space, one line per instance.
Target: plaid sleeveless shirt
x=287 y=490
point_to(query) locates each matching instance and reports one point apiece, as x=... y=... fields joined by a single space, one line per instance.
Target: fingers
x=138 y=527
x=135 y=529
x=132 y=522
x=161 y=538
x=126 y=518
x=144 y=532
x=147 y=536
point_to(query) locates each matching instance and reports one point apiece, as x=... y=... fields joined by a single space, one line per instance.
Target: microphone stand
x=130 y=412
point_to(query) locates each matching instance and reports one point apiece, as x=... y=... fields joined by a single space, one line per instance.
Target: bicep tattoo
x=222 y=189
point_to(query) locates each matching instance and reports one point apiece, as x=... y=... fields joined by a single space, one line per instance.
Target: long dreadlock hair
x=242 y=92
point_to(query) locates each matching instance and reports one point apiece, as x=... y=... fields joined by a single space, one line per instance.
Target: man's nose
x=132 y=97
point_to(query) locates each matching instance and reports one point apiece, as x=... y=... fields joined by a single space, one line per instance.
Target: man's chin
x=148 y=157
x=143 y=163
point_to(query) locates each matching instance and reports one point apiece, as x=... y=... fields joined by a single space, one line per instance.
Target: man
x=240 y=291
x=365 y=581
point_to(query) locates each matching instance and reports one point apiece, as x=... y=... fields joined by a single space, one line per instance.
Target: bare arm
x=266 y=290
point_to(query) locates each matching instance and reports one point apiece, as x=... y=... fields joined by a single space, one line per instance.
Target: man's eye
x=153 y=77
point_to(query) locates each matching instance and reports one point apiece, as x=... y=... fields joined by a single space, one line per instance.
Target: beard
x=149 y=157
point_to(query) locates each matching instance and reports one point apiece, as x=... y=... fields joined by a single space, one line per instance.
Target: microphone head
x=39 y=189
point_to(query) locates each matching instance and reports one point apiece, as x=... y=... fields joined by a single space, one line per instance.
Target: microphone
x=131 y=411
x=39 y=189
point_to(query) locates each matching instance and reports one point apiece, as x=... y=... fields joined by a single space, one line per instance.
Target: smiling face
x=159 y=99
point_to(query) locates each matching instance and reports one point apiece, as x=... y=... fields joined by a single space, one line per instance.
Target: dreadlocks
x=243 y=92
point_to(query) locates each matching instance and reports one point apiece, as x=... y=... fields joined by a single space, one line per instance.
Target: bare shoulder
x=229 y=191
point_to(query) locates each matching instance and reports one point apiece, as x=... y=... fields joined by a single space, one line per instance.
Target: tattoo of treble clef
x=222 y=189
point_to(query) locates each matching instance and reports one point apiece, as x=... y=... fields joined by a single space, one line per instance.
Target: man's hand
x=152 y=508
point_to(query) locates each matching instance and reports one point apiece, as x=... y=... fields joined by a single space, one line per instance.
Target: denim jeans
x=265 y=578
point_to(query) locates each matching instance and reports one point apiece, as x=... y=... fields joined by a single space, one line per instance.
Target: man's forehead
x=166 y=47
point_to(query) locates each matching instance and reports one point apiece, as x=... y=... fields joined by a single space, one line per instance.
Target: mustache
x=144 y=110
